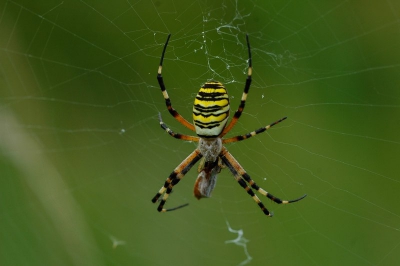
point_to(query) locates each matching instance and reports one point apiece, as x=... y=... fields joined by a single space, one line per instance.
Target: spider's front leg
x=241 y=176
x=174 y=178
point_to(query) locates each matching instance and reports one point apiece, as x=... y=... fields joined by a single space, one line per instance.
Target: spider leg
x=239 y=111
x=253 y=133
x=241 y=176
x=174 y=178
x=176 y=135
x=171 y=110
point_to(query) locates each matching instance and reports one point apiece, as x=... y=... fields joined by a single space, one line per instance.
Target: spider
x=210 y=116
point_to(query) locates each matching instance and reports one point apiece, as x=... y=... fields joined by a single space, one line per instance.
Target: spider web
x=82 y=153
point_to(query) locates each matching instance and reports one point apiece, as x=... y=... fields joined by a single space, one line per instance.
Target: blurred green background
x=82 y=153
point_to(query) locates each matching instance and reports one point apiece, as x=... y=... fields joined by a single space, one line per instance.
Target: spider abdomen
x=211 y=110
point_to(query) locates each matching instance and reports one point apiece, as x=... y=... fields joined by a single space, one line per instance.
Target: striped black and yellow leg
x=176 y=135
x=174 y=178
x=266 y=194
x=239 y=111
x=236 y=173
x=241 y=175
x=171 y=110
x=253 y=133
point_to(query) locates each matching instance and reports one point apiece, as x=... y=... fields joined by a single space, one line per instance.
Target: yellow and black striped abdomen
x=211 y=110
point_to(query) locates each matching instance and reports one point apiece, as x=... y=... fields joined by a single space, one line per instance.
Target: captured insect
x=210 y=115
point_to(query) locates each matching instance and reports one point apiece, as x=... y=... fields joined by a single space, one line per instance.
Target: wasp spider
x=210 y=116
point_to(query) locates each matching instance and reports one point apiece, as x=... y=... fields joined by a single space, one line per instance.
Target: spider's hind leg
x=239 y=111
x=160 y=80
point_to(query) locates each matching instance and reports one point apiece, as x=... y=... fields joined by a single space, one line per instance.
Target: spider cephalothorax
x=210 y=148
x=210 y=116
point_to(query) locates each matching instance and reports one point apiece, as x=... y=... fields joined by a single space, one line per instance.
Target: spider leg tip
x=302 y=197
x=175 y=208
